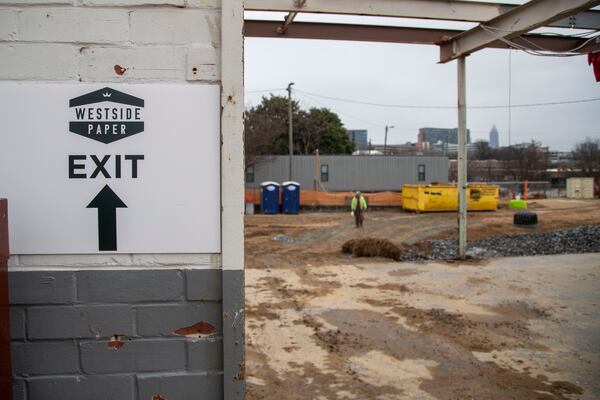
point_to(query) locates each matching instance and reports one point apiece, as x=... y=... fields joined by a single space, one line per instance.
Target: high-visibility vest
x=363 y=203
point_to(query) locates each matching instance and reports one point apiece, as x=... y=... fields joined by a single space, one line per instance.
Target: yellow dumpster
x=444 y=197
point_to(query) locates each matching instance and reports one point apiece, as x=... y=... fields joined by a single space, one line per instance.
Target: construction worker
x=358 y=205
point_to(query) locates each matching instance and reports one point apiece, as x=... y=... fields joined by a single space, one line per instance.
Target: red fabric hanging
x=594 y=60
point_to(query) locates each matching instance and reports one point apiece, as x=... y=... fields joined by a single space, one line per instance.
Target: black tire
x=526 y=218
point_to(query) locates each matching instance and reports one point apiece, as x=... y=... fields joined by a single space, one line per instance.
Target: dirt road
x=322 y=325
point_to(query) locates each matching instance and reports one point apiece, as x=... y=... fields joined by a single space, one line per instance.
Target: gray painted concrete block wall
x=117 y=334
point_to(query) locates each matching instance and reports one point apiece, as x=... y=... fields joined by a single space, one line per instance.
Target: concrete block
x=19 y=390
x=176 y=27
x=181 y=386
x=165 y=320
x=50 y=62
x=109 y=64
x=134 y=356
x=42 y=358
x=131 y=3
x=76 y=25
x=41 y=287
x=174 y=259
x=203 y=3
x=118 y=286
x=17 y=323
x=74 y=260
x=37 y=2
x=8 y=24
x=79 y=322
x=205 y=355
x=203 y=64
x=114 y=387
x=203 y=284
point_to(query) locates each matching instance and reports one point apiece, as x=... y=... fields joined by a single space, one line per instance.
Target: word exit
x=109 y=166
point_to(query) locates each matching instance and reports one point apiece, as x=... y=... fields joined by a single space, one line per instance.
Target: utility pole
x=290 y=127
x=317 y=170
x=385 y=139
x=462 y=158
x=509 y=94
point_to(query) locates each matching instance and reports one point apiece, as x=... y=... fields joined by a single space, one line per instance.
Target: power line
x=551 y=103
x=264 y=90
x=342 y=113
x=373 y=104
x=540 y=51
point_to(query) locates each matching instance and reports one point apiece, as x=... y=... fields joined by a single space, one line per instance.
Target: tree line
x=266 y=130
x=532 y=161
x=266 y=133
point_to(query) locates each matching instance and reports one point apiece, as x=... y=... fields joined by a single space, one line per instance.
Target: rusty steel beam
x=390 y=34
x=512 y=24
x=364 y=33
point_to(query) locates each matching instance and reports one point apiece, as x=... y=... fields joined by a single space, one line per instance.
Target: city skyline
x=349 y=77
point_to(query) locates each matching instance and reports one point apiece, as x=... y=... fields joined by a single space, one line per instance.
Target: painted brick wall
x=116 y=334
x=131 y=41
x=114 y=326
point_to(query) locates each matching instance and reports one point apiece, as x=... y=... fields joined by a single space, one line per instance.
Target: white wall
x=126 y=41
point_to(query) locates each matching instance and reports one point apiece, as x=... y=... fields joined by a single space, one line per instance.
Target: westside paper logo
x=106 y=115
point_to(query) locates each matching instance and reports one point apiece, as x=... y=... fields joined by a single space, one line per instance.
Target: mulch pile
x=369 y=247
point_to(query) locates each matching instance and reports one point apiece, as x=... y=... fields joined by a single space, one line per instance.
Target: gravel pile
x=584 y=239
x=283 y=239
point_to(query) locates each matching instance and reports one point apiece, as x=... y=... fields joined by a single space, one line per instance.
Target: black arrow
x=107 y=202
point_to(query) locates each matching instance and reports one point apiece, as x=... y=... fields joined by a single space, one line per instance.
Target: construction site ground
x=325 y=325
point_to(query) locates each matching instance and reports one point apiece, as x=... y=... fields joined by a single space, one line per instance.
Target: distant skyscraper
x=359 y=137
x=494 y=140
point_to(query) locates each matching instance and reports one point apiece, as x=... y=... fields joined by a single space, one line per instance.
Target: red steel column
x=5 y=367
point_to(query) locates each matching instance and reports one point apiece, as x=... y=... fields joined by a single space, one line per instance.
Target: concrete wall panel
x=99 y=286
x=33 y=61
x=65 y=322
x=133 y=356
x=42 y=287
x=181 y=386
x=82 y=387
x=40 y=358
x=179 y=319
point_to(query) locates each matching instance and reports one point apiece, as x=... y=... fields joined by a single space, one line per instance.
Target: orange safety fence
x=314 y=198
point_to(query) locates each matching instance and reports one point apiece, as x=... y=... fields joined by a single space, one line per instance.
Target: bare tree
x=483 y=151
x=587 y=157
x=525 y=162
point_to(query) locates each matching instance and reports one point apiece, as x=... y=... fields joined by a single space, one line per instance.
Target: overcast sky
x=409 y=75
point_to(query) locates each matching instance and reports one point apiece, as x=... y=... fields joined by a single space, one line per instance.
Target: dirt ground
x=323 y=325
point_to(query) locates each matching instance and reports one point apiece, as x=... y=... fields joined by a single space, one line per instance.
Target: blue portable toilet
x=291 y=197
x=269 y=202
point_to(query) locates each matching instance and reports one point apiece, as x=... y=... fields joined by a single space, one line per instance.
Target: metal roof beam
x=390 y=34
x=449 y=10
x=364 y=33
x=512 y=24
x=584 y=20
x=428 y=9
